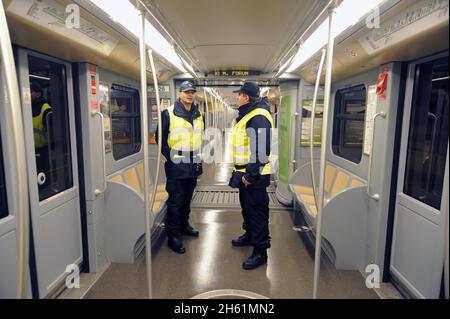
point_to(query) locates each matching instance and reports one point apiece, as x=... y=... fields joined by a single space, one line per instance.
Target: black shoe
x=190 y=231
x=256 y=259
x=244 y=240
x=176 y=244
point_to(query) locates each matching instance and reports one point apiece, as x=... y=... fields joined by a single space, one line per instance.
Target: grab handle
x=369 y=182
x=102 y=119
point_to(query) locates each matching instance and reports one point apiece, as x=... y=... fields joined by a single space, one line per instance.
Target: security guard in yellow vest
x=251 y=143
x=40 y=110
x=182 y=136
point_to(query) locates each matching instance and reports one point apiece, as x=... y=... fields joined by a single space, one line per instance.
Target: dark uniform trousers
x=178 y=205
x=255 y=211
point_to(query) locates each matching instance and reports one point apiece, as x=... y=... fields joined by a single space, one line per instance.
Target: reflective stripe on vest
x=241 y=141
x=40 y=135
x=182 y=136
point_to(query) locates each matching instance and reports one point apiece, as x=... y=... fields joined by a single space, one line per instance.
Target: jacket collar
x=247 y=108
x=37 y=106
x=179 y=110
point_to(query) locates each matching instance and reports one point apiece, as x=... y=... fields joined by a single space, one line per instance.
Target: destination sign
x=235 y=73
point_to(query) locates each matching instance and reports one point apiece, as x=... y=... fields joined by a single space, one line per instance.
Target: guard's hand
x=246 y=182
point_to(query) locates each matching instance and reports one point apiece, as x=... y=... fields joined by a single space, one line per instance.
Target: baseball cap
x=249 y=88
x=187 y=86
x=35 y=87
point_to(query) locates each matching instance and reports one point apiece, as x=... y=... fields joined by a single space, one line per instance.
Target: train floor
x=211 y=264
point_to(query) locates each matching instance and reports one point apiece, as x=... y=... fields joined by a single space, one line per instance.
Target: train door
x=287 y=139
x=8 y=223
x=48 y=114
x=419 y=226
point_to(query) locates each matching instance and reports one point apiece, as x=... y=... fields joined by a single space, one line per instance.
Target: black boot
x=244 y=240
x=176 y=244
x=190 y=231
x=256 y=259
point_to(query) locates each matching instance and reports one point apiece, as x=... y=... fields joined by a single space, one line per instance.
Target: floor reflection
x=211 y=263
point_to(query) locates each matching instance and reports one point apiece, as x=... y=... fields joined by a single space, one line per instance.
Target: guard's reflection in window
x=50 y=126
x=42 y=114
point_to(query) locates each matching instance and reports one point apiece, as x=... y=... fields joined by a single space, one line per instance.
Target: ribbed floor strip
x=222 y=196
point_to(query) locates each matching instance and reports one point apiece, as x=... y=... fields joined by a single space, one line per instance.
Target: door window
x=48 y=88
x=428 y=133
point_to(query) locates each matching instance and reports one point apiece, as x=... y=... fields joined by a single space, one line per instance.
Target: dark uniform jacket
x=258 y=156
x=179 y=170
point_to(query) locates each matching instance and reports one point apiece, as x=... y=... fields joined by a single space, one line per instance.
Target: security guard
x=182 y=135
x=251 y=139
x=40 y=110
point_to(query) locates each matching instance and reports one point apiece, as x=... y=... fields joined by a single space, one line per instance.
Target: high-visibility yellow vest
x=241 y=141
x=182 y=135
x=40 y=135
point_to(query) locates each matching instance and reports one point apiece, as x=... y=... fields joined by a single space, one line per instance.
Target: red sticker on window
x=92 y=69
x=93 y=85
x=94 y=105
x=382 y=82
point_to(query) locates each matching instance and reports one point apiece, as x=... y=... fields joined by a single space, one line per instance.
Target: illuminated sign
x=235 y=73
x=161 y=88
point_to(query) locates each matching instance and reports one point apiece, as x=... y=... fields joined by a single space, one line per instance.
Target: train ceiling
x=235 y=34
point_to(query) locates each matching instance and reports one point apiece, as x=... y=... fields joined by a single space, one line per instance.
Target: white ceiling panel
x=235 y=33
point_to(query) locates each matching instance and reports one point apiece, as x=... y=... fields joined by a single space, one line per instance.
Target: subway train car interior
x=211 y=149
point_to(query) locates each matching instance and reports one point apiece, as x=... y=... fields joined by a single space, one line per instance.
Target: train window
x=3 y=198
x=125 y=121
x=428 y=133
x=105 y=109
x=50 y=126
x=348 y=127
x=152 y=119
x=306 y=123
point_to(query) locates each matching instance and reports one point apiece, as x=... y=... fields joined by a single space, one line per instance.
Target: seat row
x=125 y=217
x=345 y=213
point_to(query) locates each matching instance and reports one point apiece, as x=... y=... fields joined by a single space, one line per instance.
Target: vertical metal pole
x=313 y=116
x=144 y=112
x=158 y=103
x=446 y=213
x=292 y=161
x=215 y=112
x=22 y=204
x=326 y=105
x=224 y=119
x=206 y=107
x=446 y=276
x=221 y=115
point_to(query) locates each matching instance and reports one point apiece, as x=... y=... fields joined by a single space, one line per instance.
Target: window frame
x=340 y=118
x=135 y=115
x=60 y=105
x=423 y=92
x=4 y=212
